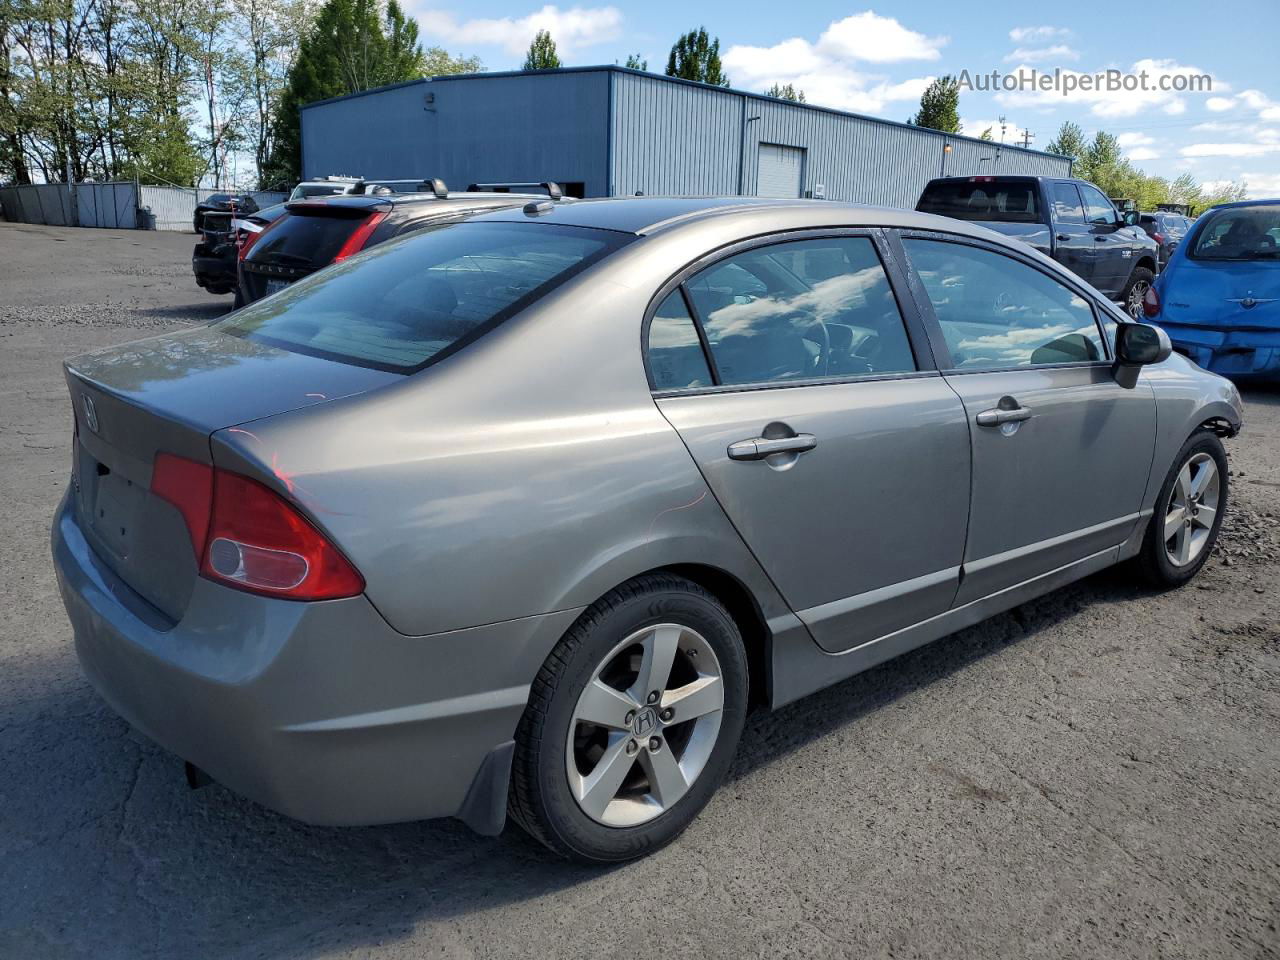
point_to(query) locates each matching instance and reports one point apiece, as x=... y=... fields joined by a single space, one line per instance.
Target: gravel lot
x=1095 y=774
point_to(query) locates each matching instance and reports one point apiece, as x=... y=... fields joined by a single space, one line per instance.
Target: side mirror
x=1138 y=344
x=1131 y=218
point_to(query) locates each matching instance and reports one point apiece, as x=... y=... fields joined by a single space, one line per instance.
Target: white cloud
x=1112 y=103
x=571 y=29
x=829 y=70
x=1013 y=132
x=1229 y=149
x=1262 y=185
x=1058 y=52
x=1266 y=108
x=876 y=39
x=1037 y=34
x=1127 y=140
x=1219 y=104
x=1143 y=153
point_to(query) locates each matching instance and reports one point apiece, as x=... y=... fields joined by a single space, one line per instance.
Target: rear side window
x=1066 y=203
x=676 y=359
x=996 y=311
x=982 y=198
x=799 y=310
x=1240 y=233
x=402 y=304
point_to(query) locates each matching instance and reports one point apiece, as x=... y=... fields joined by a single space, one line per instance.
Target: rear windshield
x=1240 y=233
x=401 y=305
x=307 y=240
x=994 y=198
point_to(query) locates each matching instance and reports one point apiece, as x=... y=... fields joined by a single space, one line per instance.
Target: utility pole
x=1002 y=127
x=1027 y=137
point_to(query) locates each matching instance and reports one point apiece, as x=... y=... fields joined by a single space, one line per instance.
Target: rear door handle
x=995 y=416
x=761 y=447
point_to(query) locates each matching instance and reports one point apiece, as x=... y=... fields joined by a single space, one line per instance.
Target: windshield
x=982 y=198
x=1240 y=233
x=401 y=305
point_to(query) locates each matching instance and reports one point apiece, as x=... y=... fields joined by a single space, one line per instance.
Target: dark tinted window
x=998 y=312
x=675 y=354
x=807 y=308
x=1240 y=233
x=1066 y=203
x=306 y=240
x=400 y=304
x=982 y=198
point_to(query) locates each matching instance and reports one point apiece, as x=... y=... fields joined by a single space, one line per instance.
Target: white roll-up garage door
x=780 y=171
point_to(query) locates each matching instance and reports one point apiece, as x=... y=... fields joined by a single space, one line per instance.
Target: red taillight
x=1158 y=237
x=1151 y=302
x=982 y=179
x=360 y=236
x=247 y=536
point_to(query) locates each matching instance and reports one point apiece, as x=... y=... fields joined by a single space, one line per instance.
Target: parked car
x=325 y=187
x=1219 y=297
x=524 y=512
x=229 y=203
x=324 y=230
x=1071 y=221
x=1167 y=230
x=214 y=259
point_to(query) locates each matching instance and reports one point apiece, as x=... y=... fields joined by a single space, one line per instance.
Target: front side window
x=399 y=305
x=997 y=312
x=1097 y=208
x=1240 y=233
x=801 y=310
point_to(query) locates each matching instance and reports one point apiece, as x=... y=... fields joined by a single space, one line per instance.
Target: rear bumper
x=318 y=710
x=1229 y=352
x=214 y=272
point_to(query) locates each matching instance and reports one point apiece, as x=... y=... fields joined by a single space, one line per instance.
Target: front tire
x=632 y=722
x=1188 y=514
x=1135 y=292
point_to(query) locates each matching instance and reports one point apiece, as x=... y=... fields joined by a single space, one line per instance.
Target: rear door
x=808 y=398
x=1073 y=239
x=1061 y=452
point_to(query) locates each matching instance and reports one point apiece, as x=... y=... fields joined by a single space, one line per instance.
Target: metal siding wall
x=479 y=129
x=673 y=138
x=174 y=208
x=681 y=139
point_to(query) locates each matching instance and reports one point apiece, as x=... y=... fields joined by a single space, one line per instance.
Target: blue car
x=1219 y=296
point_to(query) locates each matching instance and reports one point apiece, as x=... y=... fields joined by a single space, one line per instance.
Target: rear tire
x=1188 y=514
x=666 y=766
x=1135 y=291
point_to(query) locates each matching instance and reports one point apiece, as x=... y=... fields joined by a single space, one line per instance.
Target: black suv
x=319 y=231
x=231 y=203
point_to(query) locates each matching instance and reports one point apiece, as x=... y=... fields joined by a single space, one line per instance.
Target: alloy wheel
x=645 y=725
x=1192 y=509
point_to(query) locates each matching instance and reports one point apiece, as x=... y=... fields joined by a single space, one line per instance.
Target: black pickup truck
x=1071 y=221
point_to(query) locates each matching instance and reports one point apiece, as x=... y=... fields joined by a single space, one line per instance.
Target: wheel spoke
x=660 y=648
x=1184 y=486
x=1204 y=517
x=1201 y=480
x=601 y=785
x=694 y=699
x=1174 y=522
x=666 y=779
x=1182 y=545
x=604 y=706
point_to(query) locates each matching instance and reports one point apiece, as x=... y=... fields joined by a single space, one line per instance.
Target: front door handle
x=996 y=416
x=761 y=447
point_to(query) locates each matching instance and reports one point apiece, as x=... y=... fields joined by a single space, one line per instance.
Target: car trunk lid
x=1235 y=294
x=168 y=395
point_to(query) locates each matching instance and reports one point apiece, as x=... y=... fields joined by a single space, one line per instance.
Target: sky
x=877 y=59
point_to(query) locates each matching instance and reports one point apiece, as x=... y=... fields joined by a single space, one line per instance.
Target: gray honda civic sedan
x=520 y=515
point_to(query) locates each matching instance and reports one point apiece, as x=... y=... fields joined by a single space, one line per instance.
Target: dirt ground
x=1094 y=774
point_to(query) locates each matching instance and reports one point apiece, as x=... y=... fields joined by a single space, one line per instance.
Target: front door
x=1072 y=237
x=843 y=465
x=1061 y=452
x=1114 y=250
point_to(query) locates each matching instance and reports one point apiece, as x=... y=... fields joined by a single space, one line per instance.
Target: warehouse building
x=609 y=131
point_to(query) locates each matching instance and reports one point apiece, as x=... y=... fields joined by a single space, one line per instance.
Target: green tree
x=1069 y=142
x=353 y=45
x=542 y=53
x=1102 y=163
x=636 y=62
x=987 y=135
x=785 y=91
x=695 y=56
x=940 y=106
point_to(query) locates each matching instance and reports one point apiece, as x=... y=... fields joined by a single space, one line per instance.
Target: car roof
x=649 y=215
x=374 y=201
